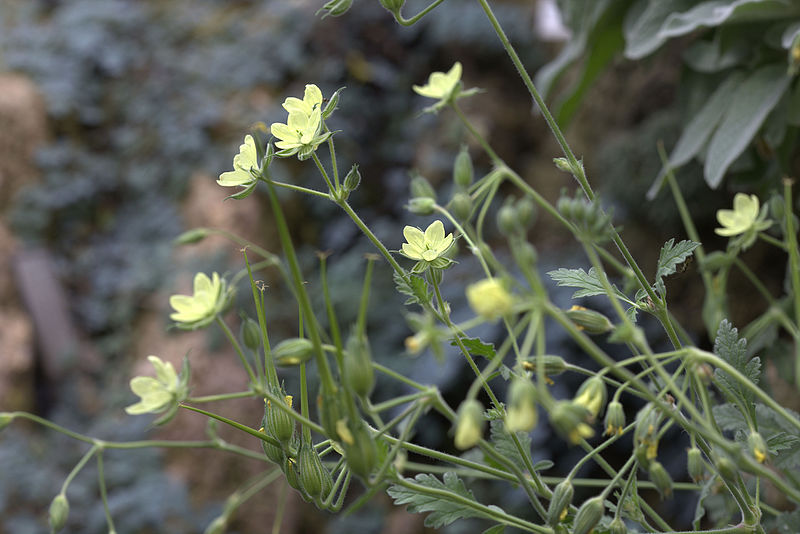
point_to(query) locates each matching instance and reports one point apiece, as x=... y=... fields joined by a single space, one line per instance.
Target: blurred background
x=117 y=116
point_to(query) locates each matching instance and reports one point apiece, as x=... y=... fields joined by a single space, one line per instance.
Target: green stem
x=408 y=22
x=78 y=467
x=101 y=482
x=324 y=174
x=238 y=349
x=775 y=242
x=299 y=189
x=794 y=263
x=375 y=241
x=221 y=397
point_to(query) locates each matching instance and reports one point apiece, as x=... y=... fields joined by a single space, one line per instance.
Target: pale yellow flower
x=745 y=218
x=489 y=298
x=244 y=164
x=209 y=299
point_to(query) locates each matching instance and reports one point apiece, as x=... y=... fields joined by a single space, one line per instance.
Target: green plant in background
x=741 y=439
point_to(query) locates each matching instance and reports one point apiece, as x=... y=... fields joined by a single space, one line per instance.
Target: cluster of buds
x=515 y=217
x=591 y=222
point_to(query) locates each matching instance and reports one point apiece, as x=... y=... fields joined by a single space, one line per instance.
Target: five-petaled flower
x=209 y=299
x=745 y=218
x=157 y=393
x=445 y=87
x=245 y=166
x=301 y=134
x=427 y=248
x=489 y=298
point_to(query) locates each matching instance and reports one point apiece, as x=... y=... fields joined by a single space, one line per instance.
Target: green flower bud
x=362 y=454
x=421 y=205
x=5 y=419
x=695 y=464
x=461 y=206
x=562 y=164
x=190 y=237
x=507 y=221
x=357 y=366
x=463 y=173
x=645 y=433
x=217 y=526
x=615 y=419
x=758 y=447
x=553 y=365
x=59 y=512
x=332 y=409
x=289 y=468
x=589 y=515
x=590 y=321
x=526 y=212
x=250 y=334
x=273 y=453
x=522 y=414
x=312 y=474
x=333 y=103
x=469 y=424
x=393 y=5
x=336 y=8
x=353 y=178
x=526 y=255
x=592 y=395
x=617 y=526
x=278 y=423
x=293 y=351
x=725 y=466
x=559 y=503
x=660 y=478
x=569 y=420
x=421 y=188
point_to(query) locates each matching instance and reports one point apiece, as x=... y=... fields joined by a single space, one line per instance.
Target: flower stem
x=238 y=349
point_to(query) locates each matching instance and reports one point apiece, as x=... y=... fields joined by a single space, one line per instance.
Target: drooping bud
x=189 y=237
x=489 y=298
x=569 y=420
x=757 y=447
x=357 y=369
x=695 y=464
x=559 y=503
x=332 y=409
x=660 y=478
x=336 y=8
x=293 y=351
x=461 y=206
x=645 y=434
x=353 y=178
x=273 y=453
x=590 y=321
x=521 y=414
x=526 y=212
x=59 y=512
x=250 y=333
x=725 y=466
x=463 y=172
x=615 y=418
x=469 y=424
x=589 y=515
x=421 y=188
x=314 y=477
x=278 y=423
x=289 y=468
x=421 y=205
x=617 y=526
x=592 y=395
x=507 y=221
x=553 y=365
x=362 y=454
x=393 y=5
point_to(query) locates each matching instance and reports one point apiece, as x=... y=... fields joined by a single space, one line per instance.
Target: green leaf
x=589 y=283
x=786 y=522
x=699 y=129
x=673 y=255
x=443 y=510
x=734 y=351
x=700 y=509
x=416 y=289
x=643 y=23
x=497 y=529
x=504 y=443
x=476 y=347
x=747 y=110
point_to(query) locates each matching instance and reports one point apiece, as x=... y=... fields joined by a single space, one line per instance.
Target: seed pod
x=617 y=526
x=292 y=351
x=589 y=515
x=461 y=206
x=569 y=420
x=278 y=423
x=522 y=414
x=357 y=369
x=289 y=468
x=250 y=334
x=695 y=464
x=553 y=365
x=362 y=455
x=353 y=178
x=469 y=424
x=615 y=418
x=592 y=395
x=758 y=447
x=312 y=473
x=273 y=453
x=463 y=173
x=331 y=408
x=421 y=205
x=660 y=478
x=560 y=502
x=590 y=321
x=507 y=221
x=59 y=512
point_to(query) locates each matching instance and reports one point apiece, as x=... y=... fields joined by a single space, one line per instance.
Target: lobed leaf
x=589 y=283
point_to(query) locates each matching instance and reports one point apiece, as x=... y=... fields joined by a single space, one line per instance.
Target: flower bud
x=695 y=464
x=758 y=447
x=522 y=415
x=357 y=366
x=562 y=164
x=393 y=5
x=217 y=526
x=526 y=212
x=353 y=178
x=559 y=503
x=469 y=424
x=278 y=423
x=336 y=8
x=463 y=172
x=190 y=237
x=526 y=255
x=615 y=419
x=660 y=478
x=333 y=103
x=569 y=420
x=421 y=205
x=461 y=206
x=314 y=477
x=589 y=515
x=289 y=468
x=489 y=298
x=592 y=395
x=362 y=454
x=250 y=334
x=273 y=453
x=507 y=221
x=553 y=365
x=293 y=351
x=59 y=512
x=590 y=321
x=617 y=526
x=331 y=408
x=421 y=188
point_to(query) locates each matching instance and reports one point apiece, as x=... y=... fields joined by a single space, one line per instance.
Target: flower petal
x=434 y=233
x=414 y=236
x=282 y=131
x=411 y=251
x=312 y=96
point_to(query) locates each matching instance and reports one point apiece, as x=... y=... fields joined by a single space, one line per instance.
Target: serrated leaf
x=734 y=351
x=416 y=288
x=476 y=347
x=673 y=255
x=443 y=510
x=729 y=418
x=782 y=442
x=589 y=283
x=504 y=443
x=747 y=110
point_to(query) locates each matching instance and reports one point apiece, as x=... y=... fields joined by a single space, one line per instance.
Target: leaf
x=416 y=289
x=747 y=109
x=734 y=351
x=497 y=529
x=643 y=23
x=700 y=509
x=673 y=255
x=589 y=283
x=699 y=129
x=476 y=347
x=503 y=442
x=443 y=510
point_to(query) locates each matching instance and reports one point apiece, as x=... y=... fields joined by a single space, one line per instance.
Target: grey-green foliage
x=743 y=47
